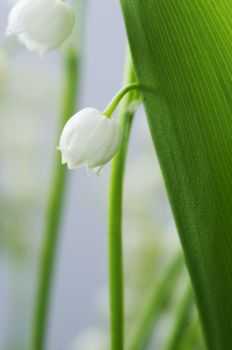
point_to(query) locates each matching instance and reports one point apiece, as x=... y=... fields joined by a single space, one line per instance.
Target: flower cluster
x=90 y=138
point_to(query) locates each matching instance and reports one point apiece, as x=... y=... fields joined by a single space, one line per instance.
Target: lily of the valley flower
x=89 y=139
x=42 y=25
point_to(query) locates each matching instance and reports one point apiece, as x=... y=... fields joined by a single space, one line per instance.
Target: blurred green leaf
x=182 y=51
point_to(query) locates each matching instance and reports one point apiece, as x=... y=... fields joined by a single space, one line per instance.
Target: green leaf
x=182 y=51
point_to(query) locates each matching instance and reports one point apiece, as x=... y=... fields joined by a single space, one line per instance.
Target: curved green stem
x=54 y=210
x=115 y=220
x=153 y=305
x=180 y=321
x=117 y=98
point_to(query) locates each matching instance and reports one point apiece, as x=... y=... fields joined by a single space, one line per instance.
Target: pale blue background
x=81 y=267
x=82 y=259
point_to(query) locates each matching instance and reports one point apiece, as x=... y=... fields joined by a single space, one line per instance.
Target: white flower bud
x=42 y=25
x=89 y=139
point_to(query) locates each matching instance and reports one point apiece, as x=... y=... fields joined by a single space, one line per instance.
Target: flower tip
x=98 y=170
x=63 y=160
x=70 y=165
x=89 y=170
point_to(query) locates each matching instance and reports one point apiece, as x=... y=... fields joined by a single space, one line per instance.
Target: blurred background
x=30 y=99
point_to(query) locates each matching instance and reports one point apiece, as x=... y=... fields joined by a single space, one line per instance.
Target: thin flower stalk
x=54 y=213
x=126 y=114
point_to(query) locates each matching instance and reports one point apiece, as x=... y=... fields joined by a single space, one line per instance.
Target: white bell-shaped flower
x=42 y=25
x=89 y=139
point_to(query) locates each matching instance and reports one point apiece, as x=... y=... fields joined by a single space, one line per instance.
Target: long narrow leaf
x=182 y=50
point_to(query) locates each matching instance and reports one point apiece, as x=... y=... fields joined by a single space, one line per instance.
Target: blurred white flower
x=89 y=139
x=11 y=2
x=91 y=339
x=42 y=25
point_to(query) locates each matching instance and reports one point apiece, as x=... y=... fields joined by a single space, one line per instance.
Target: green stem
x=115 y=220
x=180 y=321
x=153 y=305
x=117 y=98
x=193 y=336
x=54 y=211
